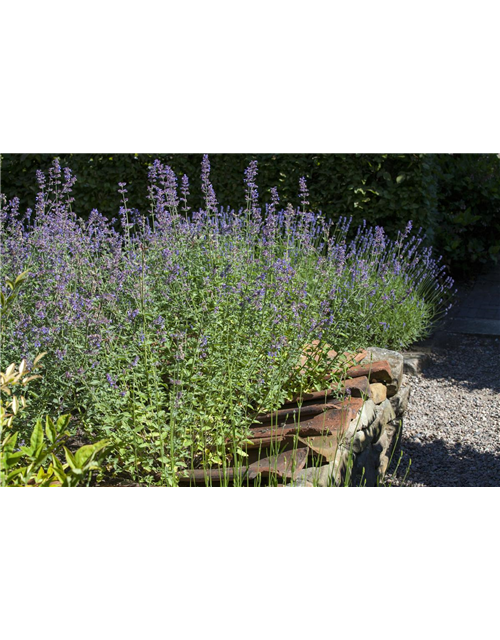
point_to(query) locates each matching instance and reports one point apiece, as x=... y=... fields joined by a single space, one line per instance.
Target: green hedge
x=455 y=198
x=468 y=212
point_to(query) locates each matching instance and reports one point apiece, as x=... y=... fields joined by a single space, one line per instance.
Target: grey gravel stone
x=451 y=428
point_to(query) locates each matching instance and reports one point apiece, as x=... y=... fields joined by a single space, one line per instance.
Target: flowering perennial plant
x=171 y=333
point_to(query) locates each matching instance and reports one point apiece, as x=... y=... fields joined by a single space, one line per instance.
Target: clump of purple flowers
x=219 y=302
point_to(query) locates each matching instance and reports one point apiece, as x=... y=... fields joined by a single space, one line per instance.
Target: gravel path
x=451 y=430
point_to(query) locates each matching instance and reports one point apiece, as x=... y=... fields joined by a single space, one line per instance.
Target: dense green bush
x=468 y=212
x=170 y=336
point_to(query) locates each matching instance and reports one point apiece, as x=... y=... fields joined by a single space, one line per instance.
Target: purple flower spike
x=170 y=185
x=250 y=175
x=185 y=192
x=206 y=185
x=304 y=192
x=275 y=199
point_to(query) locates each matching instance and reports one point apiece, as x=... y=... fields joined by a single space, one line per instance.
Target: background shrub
x=467 y=227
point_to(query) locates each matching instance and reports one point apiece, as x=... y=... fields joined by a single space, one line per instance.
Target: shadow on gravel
x=465 y=375
x=471 y=361
x=435 y=464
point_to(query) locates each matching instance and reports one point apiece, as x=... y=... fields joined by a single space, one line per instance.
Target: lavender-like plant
x=169 y=336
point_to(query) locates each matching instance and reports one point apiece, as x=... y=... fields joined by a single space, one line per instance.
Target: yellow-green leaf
x=59 y=471
x=70 y=460
x=40 y=475
x=36 y=437
x=38 y=358
x=62 y=422
x=50 y=429
x=88 y=451
x=22 y=276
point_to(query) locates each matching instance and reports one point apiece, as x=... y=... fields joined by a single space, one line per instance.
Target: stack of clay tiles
x=344 y=429
x=348 y=431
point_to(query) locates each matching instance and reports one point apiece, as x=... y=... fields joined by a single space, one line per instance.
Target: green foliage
x=468 y=220
x=6 y=302
x=37 y=464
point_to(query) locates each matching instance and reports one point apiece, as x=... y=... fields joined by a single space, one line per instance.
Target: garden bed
x=176 y=338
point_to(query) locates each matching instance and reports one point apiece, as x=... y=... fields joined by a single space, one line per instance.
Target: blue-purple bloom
x=304 y=193
x=206 y=186
x=250 y=175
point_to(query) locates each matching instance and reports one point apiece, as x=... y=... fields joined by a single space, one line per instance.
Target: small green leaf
x=36 y=437
x=40 y=454
x=57 y=463
x=50 y=430
x=21 y=277
x=70 y=460
x=11 y=459
x=9 y=443
x=15 y=473
x=40 y=476
x=84 y=455
x=60 y=475
x=62 y=423
x=59 y=471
